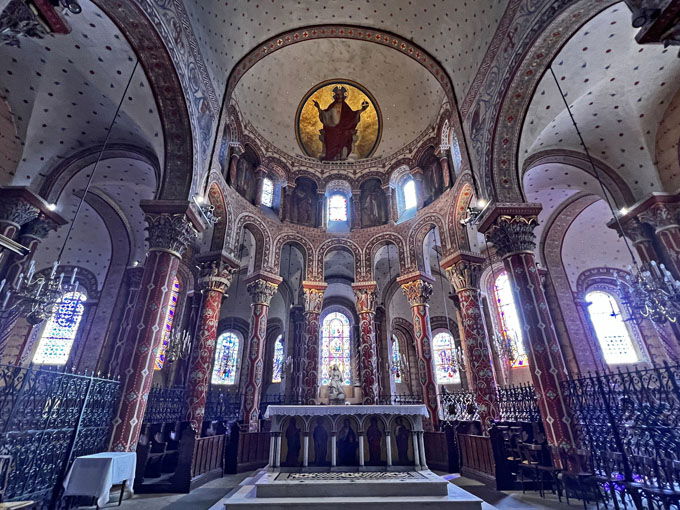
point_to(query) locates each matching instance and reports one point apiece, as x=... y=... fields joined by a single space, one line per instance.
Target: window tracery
x=56 y=340
x=267 y=195
x=226 y=359
x=335 y=347
x=277 y=365
x=443 y=347
x=610 y=329
x=337 y=208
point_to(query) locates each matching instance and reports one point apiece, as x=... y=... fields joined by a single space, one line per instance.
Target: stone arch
x=151 y=50
x=504 y=122
x=377 y=242
x=342 y=244
x=223 y=213
x=263 y=239
x=10 y=143
x=302 y=243
x=417 y=235
x=463 y=194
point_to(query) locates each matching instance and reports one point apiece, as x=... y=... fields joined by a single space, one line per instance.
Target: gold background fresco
x=309 y=125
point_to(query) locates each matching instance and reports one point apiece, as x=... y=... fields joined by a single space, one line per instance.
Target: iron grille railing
x=223 y=406
x=458 y=405
x=47 y=419
x=399 y=399
x=518 y=403
x=165 y=405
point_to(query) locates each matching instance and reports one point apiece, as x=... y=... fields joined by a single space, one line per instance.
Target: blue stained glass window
x=226 y=359
x=509 y=320
x=337 y=208
x=60 y=331
x=335 y=347
x=277 y=366
x=396 y=361
x=443 y=347
x=167 y=329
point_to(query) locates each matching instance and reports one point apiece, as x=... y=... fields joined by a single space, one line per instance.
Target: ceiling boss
x=338 y=121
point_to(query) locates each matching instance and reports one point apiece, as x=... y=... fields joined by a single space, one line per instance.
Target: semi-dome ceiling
x=409 y=96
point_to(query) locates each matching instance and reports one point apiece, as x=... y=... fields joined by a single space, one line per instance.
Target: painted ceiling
x=618 y=92
x=268 y=95
x=456 y=32
x=63 y=92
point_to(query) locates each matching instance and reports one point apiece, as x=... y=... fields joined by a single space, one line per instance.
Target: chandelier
x=37 y=297
x=506 y=347
x=651 y=293
x=180 y=346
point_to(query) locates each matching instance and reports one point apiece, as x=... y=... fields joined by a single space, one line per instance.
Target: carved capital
x=39 y=227
x=513 y=233
x=262 y=291
x=464 y=270
x=17 y=211
x=313 y=296
x=365 y=294
x=661 y=216
x=417 y=288
x=169 y=232
x=633 y=229
x=215 y=275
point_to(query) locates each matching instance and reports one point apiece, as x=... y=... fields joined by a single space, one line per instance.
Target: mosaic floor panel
x=352 y=475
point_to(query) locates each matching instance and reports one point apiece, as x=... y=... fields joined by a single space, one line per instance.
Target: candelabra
x=651 y=293
x=35 y=296
x=506 y=347
x=180 y=346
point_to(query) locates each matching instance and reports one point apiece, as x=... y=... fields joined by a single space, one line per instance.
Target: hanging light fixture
x=180 y=345
x=649 y=290
x=38 y=296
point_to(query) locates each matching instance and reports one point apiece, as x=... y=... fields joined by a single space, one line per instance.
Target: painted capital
x=262 y=288
x=216 y=272
x=417 y=288
x=464 y=270
x=17 y=211
x=313 y=296
x=365 y=294
x=169 y=232
x=661 y=216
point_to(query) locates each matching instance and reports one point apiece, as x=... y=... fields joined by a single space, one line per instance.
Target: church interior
x=296 y=254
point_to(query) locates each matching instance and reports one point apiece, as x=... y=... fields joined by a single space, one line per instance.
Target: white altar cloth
x=94 y=475
x=319 y=410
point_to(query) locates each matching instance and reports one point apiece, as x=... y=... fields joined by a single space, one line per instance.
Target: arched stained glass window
x=337 y=208
x=509 y=320
x=410 y=197
x=335 y=347
x=267 y=197
x=226 y=359
x=167 y=328
x=397 y=361
x=612 y=334
x=277 y=365
x=443 y=348
x=60 y=331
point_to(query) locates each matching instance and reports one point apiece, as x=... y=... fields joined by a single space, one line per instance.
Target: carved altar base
x=347 y=457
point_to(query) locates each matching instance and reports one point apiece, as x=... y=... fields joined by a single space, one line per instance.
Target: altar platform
x=347 y=457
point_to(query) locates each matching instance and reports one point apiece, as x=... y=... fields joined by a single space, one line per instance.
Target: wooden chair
x=581 y=481
x=530 y=455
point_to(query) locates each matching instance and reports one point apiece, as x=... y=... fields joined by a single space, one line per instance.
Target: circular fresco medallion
x=338 y=120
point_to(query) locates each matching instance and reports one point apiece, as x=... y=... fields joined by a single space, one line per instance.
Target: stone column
x=510 y=227
x=296 y=350
x=236 y=151
x=442 y=154
x=217 y=270
x=15 y=211
x=260 y=174
x=391 y=194
x=417 y=288
x=261 y=287
x=417 y=174
x=168 y=236
x=464 y=270
x=313 y=302
x=355 y=209
x=368 y=353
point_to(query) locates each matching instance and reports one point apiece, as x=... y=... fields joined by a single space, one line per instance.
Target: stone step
x=456 y=499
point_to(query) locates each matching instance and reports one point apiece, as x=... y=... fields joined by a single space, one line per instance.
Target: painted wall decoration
x=338 y=120
x=373 y=203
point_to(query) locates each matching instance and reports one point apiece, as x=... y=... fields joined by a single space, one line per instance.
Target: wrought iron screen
x=47 y=419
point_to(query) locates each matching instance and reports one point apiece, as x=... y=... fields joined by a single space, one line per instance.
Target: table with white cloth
x=94 y=475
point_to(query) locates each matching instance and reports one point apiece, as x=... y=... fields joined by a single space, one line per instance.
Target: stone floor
x=206 y=496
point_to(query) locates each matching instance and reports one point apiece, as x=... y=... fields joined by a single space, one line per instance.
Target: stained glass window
x=167 y=329
x=277 y=366
x=60 y=331
x=226 y=359
x=335 y=347
x=397 y=366
x=410 y=198
x=267 y=198
x=443 y=348
x=509 y=320
x=337 y=208
x=612 y=333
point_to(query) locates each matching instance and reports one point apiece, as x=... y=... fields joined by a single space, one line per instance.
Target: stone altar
x=347 y=456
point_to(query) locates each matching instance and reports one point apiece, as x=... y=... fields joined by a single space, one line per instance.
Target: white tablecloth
x=94 y=475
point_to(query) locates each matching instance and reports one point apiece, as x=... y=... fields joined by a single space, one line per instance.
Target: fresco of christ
x=339 y=126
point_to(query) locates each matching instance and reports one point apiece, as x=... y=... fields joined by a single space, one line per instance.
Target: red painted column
x=464 y=271
x=368 y=352
x=510 y=228
x=417 y=288
x=261 y=287
x=216 y=274
x=168 y=235
x=313 y=302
